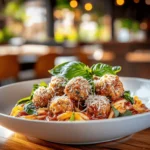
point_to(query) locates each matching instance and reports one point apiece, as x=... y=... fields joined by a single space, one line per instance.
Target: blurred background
x=35 y=35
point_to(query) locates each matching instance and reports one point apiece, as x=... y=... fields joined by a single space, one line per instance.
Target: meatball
x=78 y=88
x=60 y=104
x=41 y=96
x=98 y=106
x=58 y=84
x=109 y=85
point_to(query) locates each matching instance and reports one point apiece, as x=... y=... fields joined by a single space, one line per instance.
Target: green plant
x=15 y=10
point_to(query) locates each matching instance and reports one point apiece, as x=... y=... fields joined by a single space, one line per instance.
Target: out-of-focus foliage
x=15 y=10
x=130 y=24
x=126 y=23
x=135 y=26
x=5 y=35
x=62 y=4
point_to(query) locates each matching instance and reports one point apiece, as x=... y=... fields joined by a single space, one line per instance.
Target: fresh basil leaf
x=116 y=69
x=101 y=69
x=116 y=112
x=58 y=70
x=35 y=86
x=72 y=69
x=126 y=113
x=127 y=96
x=43 y=84
x=23 y=100
x=30 y=109
x=72 y=118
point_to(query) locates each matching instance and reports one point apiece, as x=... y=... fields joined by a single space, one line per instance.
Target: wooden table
x=15 y=141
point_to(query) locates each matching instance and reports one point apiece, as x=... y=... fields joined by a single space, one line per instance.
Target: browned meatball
x=98 y=106
x=41 y=96
x=78 y=88
x=109 y=85
x=58 y=84
x=60 y=104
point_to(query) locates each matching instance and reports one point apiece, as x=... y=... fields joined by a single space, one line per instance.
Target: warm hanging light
x=136 y=1
x=120 y=2
x=88 y=6
x=73 y=3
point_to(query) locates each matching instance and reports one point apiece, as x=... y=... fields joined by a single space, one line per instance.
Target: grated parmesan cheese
x=98 y=101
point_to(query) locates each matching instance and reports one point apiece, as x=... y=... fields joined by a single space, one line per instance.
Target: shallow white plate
x=74 y=132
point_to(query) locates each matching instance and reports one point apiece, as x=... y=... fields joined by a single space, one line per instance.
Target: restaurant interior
x=36 y=35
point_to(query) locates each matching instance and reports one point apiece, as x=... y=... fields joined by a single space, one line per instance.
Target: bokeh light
x=143 y=25
x=136 y=1
x=98 y=54
x=120 y=2
x=147 y=2
x=73 y=3
x=88 y=6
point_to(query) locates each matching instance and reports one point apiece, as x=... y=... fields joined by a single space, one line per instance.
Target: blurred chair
x=9 y=67
x=139 y=62
x=45 y=63
x=83 y=57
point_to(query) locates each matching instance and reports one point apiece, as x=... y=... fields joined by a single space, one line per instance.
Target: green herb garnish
x=126 y=113
x=101 y=69
x=30 y=109
x=127 y=96
x=116 y=112
x=72 y=118
x=72 y=69
x=35 y=86
x=43 y=84
x=23 y=100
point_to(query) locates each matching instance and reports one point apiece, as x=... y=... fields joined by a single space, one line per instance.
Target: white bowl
x=74 y=132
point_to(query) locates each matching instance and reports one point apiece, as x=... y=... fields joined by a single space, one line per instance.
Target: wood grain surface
x=13 y=141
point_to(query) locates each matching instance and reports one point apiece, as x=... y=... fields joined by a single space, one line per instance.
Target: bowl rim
x=75 y=122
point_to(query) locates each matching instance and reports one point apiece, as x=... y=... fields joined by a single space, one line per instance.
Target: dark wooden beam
x=112 y=18
x=50 y=4
x=109 y=9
